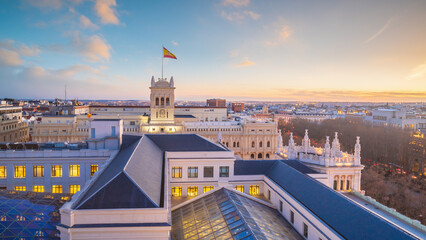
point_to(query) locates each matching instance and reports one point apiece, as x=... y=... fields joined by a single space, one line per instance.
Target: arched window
x=162 y=101
x=260 y=144
x=252 y=144
x=207 y=119
x=157 y=101
x=215 y=119
x=235 y=144
x=267 y=155
x=168 y=101
x=252 y=156
x=238 y=144
x=259 y=156
x=268 y=144
x=227 y=144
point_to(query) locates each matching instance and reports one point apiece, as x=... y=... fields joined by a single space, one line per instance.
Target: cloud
x=245 y=63
x=45 y=4
x=94 y=48
x=418 y=72
x=175 y=43
x=282 y=34
x=253 y=15
x=9 y=58
x=239 y=16
x=86 y=23
x=105 y=10
x=236 y=3
x=76 y=69
x=381 y=30
x=234 y=53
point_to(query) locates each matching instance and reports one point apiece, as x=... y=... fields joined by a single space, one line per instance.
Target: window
x=192 y=172
x=207 y=188
x=305 y=230
x=267 y=155
x=192 y=191
x=74 y=188
x=254 y=189
x=113 y=131
x=168 y=101
x=252 y=144
x=342 y=183
x=335 y=185
x=162 y=101
x=3 y=172
x=269 y=195
x=348 y=185
x=38 y=171
x=208 y=172
x=56 y=188
x=20 y=188
x=259 y=156
x=252 y=156
x=268 y=144
x=132 y=123
x=177 y=172
x=19 y=171
x=39 y=188
x=56 y=170
x=260 y=144
x=74 y=170
x=93 y=169
x=281 y=206
x=176 y=191
x=239 y=188
x=92 y=133
x=157 y=101
x=292 y=217
x=224 y=172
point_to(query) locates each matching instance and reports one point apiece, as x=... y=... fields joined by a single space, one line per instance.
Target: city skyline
x=233 y=49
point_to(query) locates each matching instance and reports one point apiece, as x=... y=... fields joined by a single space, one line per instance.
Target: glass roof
x=225 y=214
x=29 y=215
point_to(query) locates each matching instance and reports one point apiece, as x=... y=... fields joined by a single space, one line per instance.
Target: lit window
x=56 y=170
x=74 y=188
x=20 y=188
x=56 y=188
x=177 y=172
x=93 y=169
x=192 y=172
x=254 y=189
x=19 y=171
x=38 y=171
x=3 y=172
x=224 y=172
x=239 y=188
x=176 y=191
x=305 y=230
x=207 y=188
x=74 y=170
x=192 y=191
x=38 y=188
x=208 y=172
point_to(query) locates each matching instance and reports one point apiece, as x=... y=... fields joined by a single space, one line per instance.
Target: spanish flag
x=167 y=54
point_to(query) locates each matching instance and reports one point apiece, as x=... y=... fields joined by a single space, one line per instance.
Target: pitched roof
x=299 y=166
x=184 y=142
x=344 y=216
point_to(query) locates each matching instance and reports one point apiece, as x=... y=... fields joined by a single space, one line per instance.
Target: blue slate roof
x=299 y=166
x=184 y=116
x=346 y=218
x=113 y=188
x=252 y=167
x=183 y=143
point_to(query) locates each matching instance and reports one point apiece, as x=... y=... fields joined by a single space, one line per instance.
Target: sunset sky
x=233 y=49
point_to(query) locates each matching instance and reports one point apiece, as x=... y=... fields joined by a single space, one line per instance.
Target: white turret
x=152 y=81
x=335 y=147
x=306 y=143
x=357 y=151
x=327 y=151
x=280 y=140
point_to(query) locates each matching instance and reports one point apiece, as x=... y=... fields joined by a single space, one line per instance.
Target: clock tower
x=162 y=101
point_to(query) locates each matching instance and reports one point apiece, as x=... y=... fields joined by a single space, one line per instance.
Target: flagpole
x=162 y=62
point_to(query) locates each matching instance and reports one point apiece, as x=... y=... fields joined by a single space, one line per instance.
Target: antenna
x=65 y=93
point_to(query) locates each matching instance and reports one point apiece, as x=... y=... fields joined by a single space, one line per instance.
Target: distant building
x=12 y=129
x=237 y=107
x=396 y=118
x=216 y=103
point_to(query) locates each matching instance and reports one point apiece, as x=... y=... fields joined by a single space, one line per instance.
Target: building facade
x=12 y=129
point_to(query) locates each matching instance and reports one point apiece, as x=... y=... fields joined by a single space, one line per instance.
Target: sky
x=234 y=49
